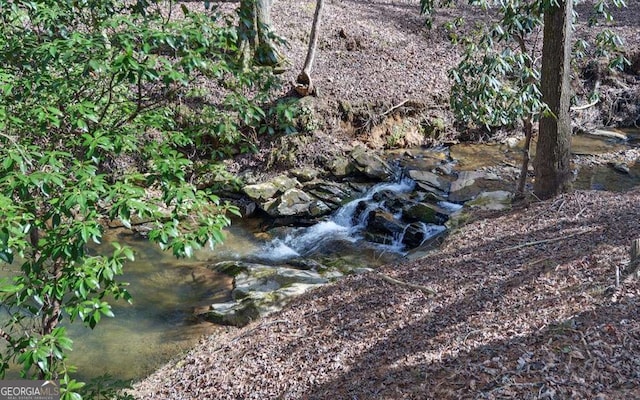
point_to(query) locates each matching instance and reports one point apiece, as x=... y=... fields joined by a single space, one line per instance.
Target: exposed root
x=423 y=289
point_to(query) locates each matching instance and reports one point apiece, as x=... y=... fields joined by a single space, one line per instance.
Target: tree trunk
x=304 y=84
x=526 y=157
x=553 y=153
x=255 y=33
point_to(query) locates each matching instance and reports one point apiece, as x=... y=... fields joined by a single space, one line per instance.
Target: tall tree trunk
x=255 y=33
x=553 y=153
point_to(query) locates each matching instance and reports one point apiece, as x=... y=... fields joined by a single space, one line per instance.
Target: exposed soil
x=527 y=305
x=381 y=73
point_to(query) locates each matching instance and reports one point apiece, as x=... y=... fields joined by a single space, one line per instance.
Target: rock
x=512 y=142
x=393 y=201
x=414 y=235
x=232 y=268
x=261 y=191
x=284 y=183
x=263 y=278
x=457 y=220
x=620 y=167
x=360 y=187
x=256 y=280
x=498 y=200
x=370 y=164
x=233 y=313
x=334 y=194
x=464 y=179
x=306 y=263
x=377 y=237
x=417 y=233
x=430 y=181
x=292 y=202
x=470 y=184
x=610 y=134
x=333 y=275
x=319 y=208
x=464 y=188
x=305 y=174
x=259 y=290
x=264 y=192
x=341 y=167
x=445 y=169
x=361 y=270
x=424 y=212
x=380 y=221
x=430 y=197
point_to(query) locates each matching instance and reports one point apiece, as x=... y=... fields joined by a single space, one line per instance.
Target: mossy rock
x=235 y=314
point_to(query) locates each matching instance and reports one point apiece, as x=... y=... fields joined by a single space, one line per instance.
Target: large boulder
x=417 y=233
x=265 y=278
x=291 y=202
x=381 y=221
x=331 y=193
x=305 y=174
x=424 y=212
x=283 y=197
x=469 y=184
x=341 y=167
x=370 y=164
x=258 y=290
x=231 y=313
x=430 y=182
x=496 y=200
x=260 y=192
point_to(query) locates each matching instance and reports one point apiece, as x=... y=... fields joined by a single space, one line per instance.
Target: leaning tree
x=257 y=41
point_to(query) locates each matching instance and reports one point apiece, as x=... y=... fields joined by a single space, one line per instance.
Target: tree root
x=423 y=289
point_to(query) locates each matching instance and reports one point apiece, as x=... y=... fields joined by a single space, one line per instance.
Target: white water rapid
x=345 y=226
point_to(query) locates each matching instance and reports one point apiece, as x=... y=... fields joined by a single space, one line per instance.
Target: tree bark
x=526 y=157
x=304 y=84
x=552 y=162
x=255 y=33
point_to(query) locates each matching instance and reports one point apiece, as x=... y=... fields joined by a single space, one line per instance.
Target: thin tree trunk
x=526 y=157
x=304 y=85
x=553 y=153
x=52 y=310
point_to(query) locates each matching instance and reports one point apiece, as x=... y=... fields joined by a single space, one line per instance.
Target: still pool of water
x=157 y=326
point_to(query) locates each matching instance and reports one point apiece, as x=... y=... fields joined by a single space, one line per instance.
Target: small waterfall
x=347 y=226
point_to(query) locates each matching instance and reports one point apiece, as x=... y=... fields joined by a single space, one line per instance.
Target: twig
x=543 y=259
x=423 y=289
x=535 y=243
x=585 y=106
x=394 y=107
x=584 y=341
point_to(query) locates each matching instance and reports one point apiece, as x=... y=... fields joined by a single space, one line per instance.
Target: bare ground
x=526 y=304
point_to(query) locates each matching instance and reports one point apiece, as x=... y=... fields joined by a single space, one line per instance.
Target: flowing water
x=158 y=326
x=344 y=230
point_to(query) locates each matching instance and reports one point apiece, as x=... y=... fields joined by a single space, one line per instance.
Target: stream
x=159 y=325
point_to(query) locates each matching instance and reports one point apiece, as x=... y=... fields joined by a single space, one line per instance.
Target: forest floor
x=525 y=308
x=526 y=304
